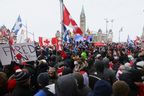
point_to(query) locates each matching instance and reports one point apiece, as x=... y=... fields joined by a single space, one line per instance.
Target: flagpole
x=61 y=18
x=26 y=32
x=120 y=32
x=33 y=36
x=119 y=36
x=10 y=45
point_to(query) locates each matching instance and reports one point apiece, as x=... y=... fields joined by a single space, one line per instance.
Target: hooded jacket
x=66 y=85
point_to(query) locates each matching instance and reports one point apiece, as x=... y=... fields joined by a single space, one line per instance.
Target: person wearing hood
x=82 y=88
x=66 y=85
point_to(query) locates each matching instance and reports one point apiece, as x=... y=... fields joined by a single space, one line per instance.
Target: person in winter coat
x=82 y=88
x=66 y=85
x=43 y=81
x=22 y=87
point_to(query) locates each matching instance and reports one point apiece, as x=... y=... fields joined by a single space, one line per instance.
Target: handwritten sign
x=27 y=50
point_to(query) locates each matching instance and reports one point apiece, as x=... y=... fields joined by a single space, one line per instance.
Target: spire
x=83 y=20
x=82 y=11
x=142 y=36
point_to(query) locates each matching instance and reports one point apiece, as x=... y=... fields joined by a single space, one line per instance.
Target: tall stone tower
x=83 y=21
x=142 y=36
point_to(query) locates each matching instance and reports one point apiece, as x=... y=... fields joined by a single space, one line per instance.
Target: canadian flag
x=68 y=21
x=44 y=41
x=57 y=43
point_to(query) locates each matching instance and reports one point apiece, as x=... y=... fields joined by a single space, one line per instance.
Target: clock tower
x=83 y=21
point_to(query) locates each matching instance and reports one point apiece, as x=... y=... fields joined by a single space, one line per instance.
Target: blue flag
x=17 y=25
x=66 y=35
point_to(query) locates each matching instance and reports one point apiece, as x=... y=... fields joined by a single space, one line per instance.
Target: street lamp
x=112 y=20
x=120 y=32
x=106 y=20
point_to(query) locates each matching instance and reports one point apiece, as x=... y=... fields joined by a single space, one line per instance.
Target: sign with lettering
x=26 y=50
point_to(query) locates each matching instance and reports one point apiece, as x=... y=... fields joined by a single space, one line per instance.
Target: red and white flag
x=69 y=21
x=44 y=41
x=57 y=43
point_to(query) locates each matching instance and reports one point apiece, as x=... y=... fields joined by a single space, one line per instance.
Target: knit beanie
x=67 y=70
x=140 y=65
x=43 y=79
x=21 y=76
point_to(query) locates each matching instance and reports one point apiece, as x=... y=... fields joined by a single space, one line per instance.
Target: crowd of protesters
x=79 y=69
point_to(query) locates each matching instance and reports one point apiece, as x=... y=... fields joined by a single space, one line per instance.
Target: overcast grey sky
x=43 y=16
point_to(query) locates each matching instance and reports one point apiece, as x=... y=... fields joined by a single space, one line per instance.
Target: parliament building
x=98 y=36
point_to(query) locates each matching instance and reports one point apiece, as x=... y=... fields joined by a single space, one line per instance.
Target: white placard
x=27 y=50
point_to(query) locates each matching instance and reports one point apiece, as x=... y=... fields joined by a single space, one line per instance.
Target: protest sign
x=27 y=51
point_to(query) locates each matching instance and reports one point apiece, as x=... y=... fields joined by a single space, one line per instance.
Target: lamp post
x=120 y=32
x=112 y=20
x=61 y=18
x=106 y=20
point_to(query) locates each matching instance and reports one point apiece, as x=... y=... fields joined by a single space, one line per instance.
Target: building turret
x=83 y=21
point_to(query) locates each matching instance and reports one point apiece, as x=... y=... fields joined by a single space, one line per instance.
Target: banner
x=27 y=51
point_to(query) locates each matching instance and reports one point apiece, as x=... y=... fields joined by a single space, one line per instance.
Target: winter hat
x=43 y=79
x=21 y=76
x=140 y=65
x=120 y=88
x=43 y=61
x=101 y=88
x=17 y=69
x=66 y=86
x=67 y=70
